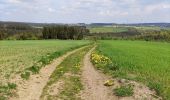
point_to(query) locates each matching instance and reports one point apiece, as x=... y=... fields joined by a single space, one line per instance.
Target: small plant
x=12 y=86
x=3 y=98
x=34 y=69
x=156 y=86
x=112 y=67
x=6 y=90
x=124 y=91
x=25 y=75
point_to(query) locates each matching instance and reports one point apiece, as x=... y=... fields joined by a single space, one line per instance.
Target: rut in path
x=93 y=82
x=32 y=88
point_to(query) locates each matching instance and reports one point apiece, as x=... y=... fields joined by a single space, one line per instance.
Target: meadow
x=16 y=56
x=144 y=28
x=146 y=62
x=107 y=29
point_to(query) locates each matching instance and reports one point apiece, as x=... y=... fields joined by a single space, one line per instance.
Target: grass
x=107 y=29
x=72 y=88
x=144 y=28
x=124 y=91
x=7 y=90
x=72 y=84
x=147 y=62
x=16 y=56
x=28 y=57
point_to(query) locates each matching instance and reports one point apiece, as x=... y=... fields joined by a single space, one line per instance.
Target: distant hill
x=7 y=23
x=162 y=25
x=150 y=24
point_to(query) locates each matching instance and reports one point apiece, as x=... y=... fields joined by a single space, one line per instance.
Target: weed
x=25 y=75
x=34 y=69
x=12 y=86
x=156 y=86
x=3 y=98
x=124 y=91
x=6 y=90
x=73 y=86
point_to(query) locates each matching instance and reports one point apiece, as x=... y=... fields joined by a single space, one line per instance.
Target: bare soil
x=93 y=82
x=31 y=89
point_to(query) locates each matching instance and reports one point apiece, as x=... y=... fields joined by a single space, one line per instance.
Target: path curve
x=93 y=82
x=31 y=89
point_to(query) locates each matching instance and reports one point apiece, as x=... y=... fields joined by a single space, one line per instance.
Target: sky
x=85 y=11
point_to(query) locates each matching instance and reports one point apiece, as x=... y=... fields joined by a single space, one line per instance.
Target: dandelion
x=99 y=59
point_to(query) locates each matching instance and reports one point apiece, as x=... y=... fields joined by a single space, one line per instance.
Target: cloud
x=157 y=7
x=51 y=10
x=14 y=1
x=85 y=10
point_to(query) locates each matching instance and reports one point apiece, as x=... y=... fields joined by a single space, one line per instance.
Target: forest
x=37 y=31
x=64 y=32
x=25 y=31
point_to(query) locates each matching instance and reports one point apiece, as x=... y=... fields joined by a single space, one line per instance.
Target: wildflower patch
x=102 y=62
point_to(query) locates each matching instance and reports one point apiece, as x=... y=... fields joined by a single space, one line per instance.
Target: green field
x=147 y=62
x=16 y=56
x=141 y=61
x=144 y=28
x=107 y=29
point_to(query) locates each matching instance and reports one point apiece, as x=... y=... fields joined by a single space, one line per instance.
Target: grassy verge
x=45 y=60
x=146 y=62
x=69 y=73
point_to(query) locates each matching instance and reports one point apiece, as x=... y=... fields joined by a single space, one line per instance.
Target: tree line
x=64 y=32
x=133 y=34
x=23 y=31
x=19 y=31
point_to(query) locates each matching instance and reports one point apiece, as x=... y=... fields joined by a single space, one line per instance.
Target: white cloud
x=109 y=13
x=156 y=8
x=85 y=10
x=14 y=1
x=51 y=10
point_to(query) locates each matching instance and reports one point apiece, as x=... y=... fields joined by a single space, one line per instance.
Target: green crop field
x=147 y=62
x=148 y=28
x=107 y=29
x=15 y=56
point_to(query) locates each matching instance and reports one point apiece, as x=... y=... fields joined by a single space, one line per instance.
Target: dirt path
x=32 y=88
x=93 y=82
